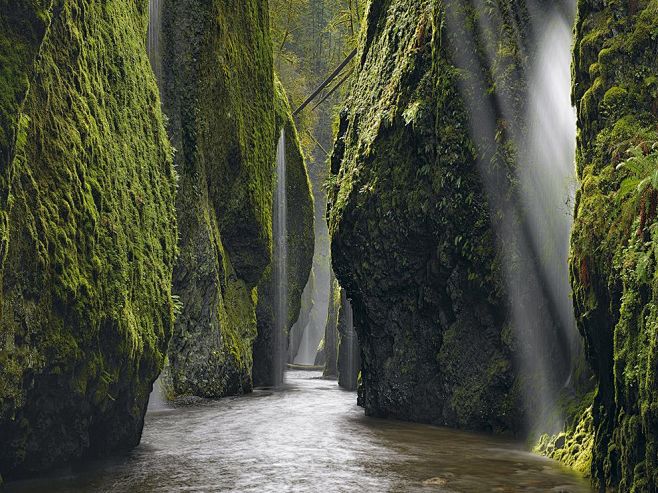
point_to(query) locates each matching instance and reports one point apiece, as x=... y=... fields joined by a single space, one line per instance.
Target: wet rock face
x=86 y=299
x=300 y=250
x=220 y=104
x=613 y=260
x=412 y=242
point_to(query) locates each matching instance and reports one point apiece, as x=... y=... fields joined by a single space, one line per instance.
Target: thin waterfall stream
x=280 y=232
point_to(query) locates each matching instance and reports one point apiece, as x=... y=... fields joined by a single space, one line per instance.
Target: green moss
x=573 y=446
x=87 y=309
x=22 y=27
x=613 y=244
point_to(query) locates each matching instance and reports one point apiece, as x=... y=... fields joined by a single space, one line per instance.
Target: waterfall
x=349 y=360
x=547 y=179
x=157 y=399
x=153 y=38
x=280 y=232
x=313 y=332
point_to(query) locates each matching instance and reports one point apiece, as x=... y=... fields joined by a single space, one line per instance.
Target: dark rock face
x=221 y=109
x=300 y=252
x=86 y=299
x=613 y=260
x=411 y=216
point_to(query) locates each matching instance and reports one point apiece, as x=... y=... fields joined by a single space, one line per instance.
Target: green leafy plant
x=639 y=190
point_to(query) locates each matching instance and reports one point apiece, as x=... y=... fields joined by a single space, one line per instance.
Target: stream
x=309 y=436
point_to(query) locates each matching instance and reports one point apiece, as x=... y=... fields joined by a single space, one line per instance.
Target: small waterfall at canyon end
x=280 y=232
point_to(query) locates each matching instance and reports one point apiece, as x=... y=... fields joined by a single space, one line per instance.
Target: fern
x=643 y=169
x=639 y=190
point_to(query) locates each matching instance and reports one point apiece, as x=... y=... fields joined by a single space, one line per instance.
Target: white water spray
x=546 y=173
x=280 y=231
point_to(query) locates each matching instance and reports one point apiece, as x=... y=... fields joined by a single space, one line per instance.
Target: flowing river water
x=307 y=437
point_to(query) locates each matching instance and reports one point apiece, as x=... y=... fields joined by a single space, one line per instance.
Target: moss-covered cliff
x=22 y=28
x=86 y=295
x=412 y=241
x=300 y=249
x=219 y=97
x=613 y=262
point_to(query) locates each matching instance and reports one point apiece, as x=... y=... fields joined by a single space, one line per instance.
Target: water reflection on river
x=310 y=437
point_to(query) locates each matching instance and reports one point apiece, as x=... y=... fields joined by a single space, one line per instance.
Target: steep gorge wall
x=219 y=97
x=86 y=293
x=411 y=223
x=613 y=260
x=22 y=28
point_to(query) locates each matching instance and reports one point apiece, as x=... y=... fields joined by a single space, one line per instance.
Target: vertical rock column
x=219 y=97
x=411 y=223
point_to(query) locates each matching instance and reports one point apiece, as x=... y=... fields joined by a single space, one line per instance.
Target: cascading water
x=313 y=333
x=153 y=38
x=280 y=231
x=533 y=224
x=349 y=361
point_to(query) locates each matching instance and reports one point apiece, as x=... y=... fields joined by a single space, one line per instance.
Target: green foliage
x=613 y=260
x=642 y=166
x=310 y=38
